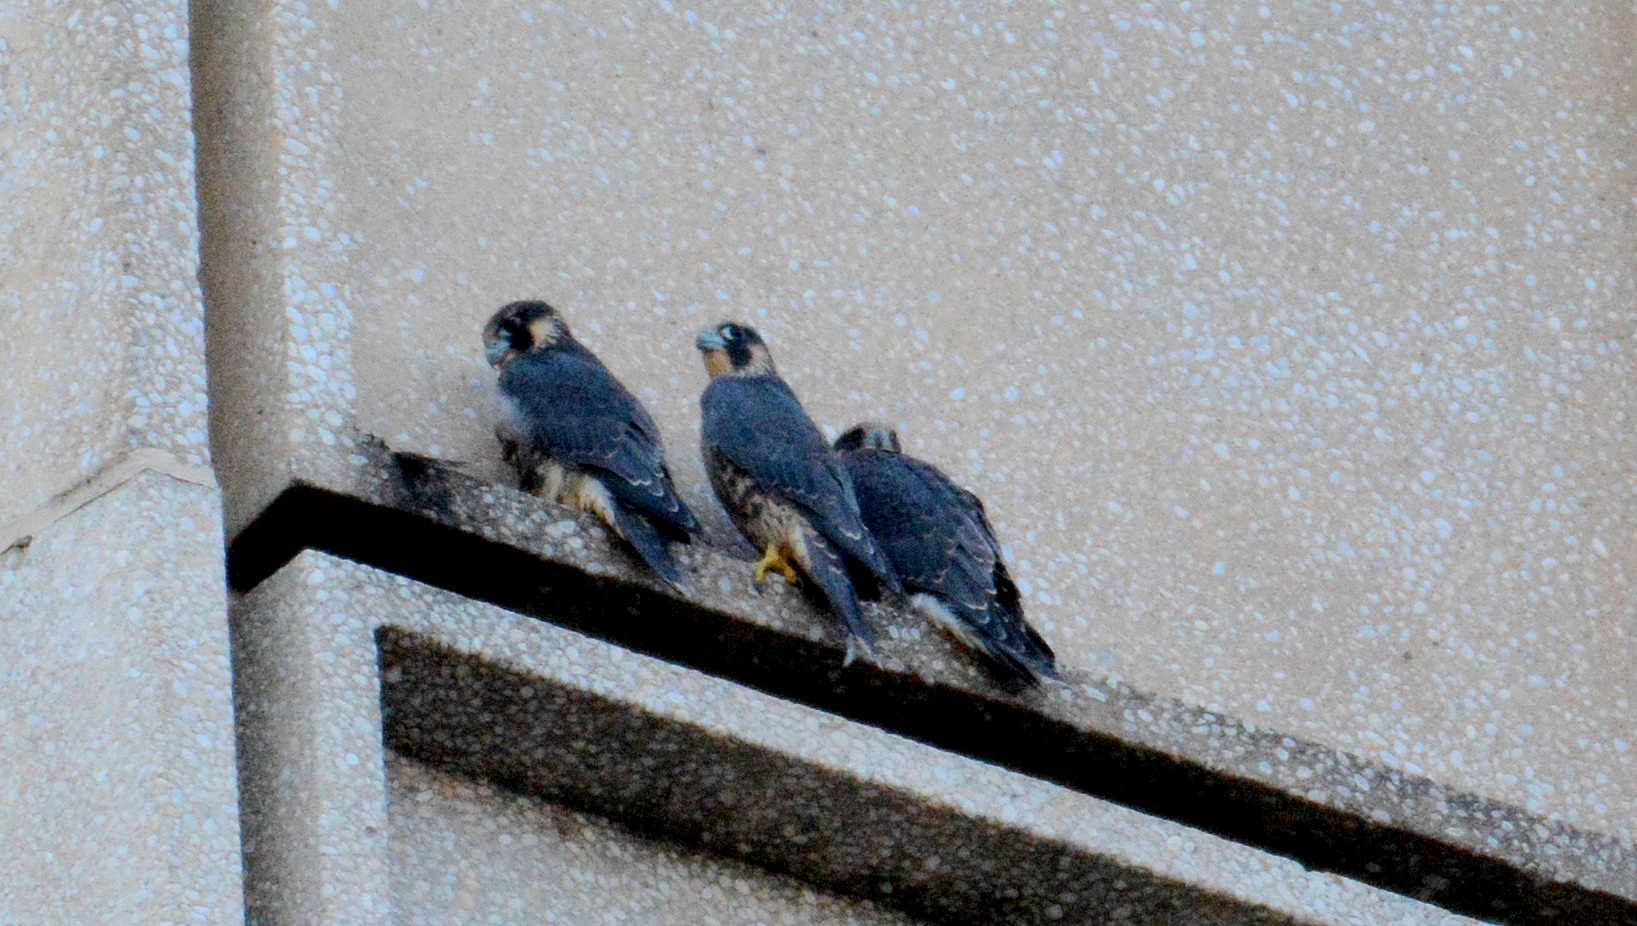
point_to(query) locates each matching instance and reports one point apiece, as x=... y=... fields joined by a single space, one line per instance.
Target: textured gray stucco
x=118 y=796
x=101 y=324
x=666 y=748
x=562 y=866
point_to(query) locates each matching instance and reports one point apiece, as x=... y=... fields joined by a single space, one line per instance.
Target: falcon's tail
x=649 y=543
x=827 y=567
x=1006 y=643
x=1024 y=656
x=1037 y=655
x=1023 y=648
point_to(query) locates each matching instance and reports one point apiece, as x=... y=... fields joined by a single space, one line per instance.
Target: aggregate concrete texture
x=118 y=795
x=1325 y=807
x=101 y=323
x=569 y=867
x=1286 y=342
x=557 y=717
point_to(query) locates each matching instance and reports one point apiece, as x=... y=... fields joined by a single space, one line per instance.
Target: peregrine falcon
x=574 y=435
x=777 y=478
x=939 y=541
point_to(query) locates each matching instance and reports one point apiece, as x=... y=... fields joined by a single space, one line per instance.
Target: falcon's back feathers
x=939 y=540
x=757 y=424
x=575 y=434
x=575 y=411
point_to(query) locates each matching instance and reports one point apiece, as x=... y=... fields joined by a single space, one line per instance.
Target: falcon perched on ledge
x=777 y=478
x=939 y=541
x=574 y=435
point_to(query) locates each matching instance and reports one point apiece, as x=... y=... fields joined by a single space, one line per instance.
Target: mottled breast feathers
x=757 y=424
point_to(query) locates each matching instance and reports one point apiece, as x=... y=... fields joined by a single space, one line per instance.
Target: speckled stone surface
x=118 y=794
x=278 y=329
x=1286 y=342
x=101 y=325
x=309 y=698
x=1324 y=806
x=562 y=866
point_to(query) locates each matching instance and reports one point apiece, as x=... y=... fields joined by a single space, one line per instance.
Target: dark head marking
x=732 y=349
x=869 y=434
x=521 y=327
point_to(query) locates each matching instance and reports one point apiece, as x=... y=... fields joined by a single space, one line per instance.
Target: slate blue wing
x=758 y=424
x=575 y=411
x=938 y=538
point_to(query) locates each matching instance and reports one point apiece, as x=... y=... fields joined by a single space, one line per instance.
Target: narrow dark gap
x=1319 y=837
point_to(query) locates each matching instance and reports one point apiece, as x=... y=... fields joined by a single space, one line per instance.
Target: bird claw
x=772 y=561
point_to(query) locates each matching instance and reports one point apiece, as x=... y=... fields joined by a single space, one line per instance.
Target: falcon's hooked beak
x=496 y=350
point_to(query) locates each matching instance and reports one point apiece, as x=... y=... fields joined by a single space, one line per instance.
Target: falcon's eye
x=729 y=332
x=516 y=333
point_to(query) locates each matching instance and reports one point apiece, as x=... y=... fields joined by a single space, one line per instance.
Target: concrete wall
x=568 y=867
x=1287 y=344
x=118 y=797
x=103 y=347
x=120 y=802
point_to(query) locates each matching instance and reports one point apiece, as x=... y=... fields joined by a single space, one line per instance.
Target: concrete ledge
x=1325 y=808
x=334 y=658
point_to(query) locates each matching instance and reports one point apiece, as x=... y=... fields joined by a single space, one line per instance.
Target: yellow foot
x=773 y=561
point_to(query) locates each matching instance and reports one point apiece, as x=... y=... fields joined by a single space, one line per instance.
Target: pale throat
x=717 y=363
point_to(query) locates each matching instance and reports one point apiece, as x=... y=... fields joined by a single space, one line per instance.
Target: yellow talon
x=774 y=561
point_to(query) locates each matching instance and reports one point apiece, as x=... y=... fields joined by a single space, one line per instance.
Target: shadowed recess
x=669 y=780
x=410 y=534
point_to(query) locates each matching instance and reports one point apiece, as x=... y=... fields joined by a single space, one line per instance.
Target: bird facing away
x=778 y=479
x=577 y=437
x=939 y=541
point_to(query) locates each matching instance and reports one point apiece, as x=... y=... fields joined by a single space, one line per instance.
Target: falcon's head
x=519 y=328
x=869 y=434
x=732 y=349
